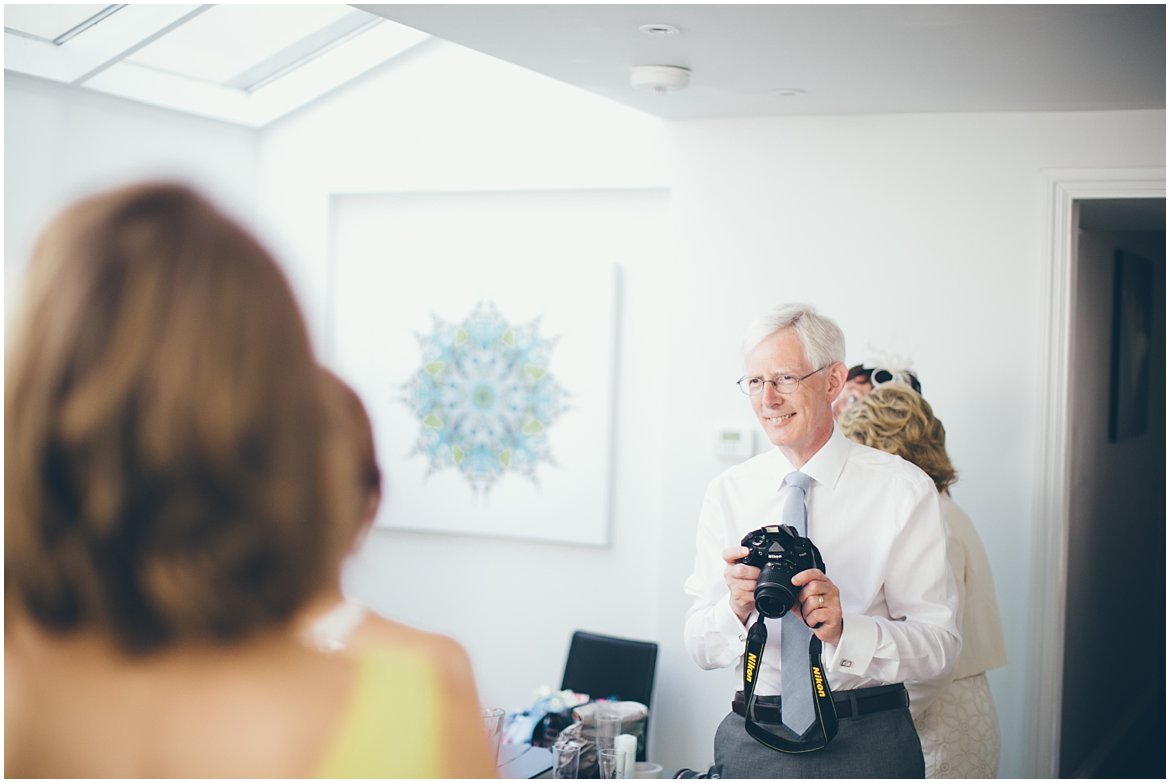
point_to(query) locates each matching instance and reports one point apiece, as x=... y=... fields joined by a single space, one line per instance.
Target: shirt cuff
x=729 y=625
x=857 y=646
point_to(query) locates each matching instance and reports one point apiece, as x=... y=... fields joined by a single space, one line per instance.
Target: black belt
x=866 y=701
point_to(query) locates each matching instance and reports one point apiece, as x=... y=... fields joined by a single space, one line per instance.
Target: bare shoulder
x=381 y=632
x=457 y=692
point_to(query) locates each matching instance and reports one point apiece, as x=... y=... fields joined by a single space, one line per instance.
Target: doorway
x=1113 y=688
x=1053 y=571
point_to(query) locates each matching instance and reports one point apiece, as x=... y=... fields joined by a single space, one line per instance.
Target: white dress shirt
x=875 y=519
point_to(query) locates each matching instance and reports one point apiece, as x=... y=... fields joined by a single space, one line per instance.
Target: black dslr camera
x=780 y=553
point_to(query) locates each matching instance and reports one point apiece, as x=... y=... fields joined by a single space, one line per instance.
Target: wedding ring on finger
x=820 y=601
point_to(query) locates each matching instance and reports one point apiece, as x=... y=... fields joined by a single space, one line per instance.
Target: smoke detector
x=660 y=78
x=660 y=30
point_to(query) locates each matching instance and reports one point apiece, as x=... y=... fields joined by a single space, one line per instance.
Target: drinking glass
x=612 y=763
x=609 y=725
x=565 y=758
x=493 y=728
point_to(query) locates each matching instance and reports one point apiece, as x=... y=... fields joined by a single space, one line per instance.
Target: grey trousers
x=881 y=745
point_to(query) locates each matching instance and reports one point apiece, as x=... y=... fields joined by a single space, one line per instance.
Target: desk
x=523 y=761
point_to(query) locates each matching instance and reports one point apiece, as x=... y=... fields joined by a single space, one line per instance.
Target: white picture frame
x=406 y=267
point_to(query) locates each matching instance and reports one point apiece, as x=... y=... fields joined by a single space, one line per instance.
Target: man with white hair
x=881 y=611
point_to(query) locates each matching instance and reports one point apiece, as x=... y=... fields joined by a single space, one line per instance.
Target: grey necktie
x=796 y=699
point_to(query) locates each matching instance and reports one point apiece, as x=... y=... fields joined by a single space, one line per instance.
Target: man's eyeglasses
x=784 y=384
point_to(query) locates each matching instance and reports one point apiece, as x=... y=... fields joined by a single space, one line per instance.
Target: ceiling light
x=662 y=30
x=660 y=78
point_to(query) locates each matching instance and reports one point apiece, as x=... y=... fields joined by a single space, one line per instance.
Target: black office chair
x=607 y=667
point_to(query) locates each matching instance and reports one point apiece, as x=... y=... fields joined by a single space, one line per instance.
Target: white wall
x=61 y=142
x=923 y=235
x=441 y=118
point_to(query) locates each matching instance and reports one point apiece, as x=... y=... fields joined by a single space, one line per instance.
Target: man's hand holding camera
x=820 y=602
x=819 y=599
x=741 y=582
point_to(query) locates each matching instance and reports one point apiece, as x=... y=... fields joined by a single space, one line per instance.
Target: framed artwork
x=1133 y=314
x=480 y=330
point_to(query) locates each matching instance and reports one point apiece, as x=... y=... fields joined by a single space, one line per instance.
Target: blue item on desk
x=521 y=727
x=543 y=719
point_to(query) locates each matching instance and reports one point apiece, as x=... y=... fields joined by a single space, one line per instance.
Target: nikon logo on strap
x=819 y=681
x=749 y=669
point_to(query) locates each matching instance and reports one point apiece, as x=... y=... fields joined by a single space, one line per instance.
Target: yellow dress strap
x=392 y=726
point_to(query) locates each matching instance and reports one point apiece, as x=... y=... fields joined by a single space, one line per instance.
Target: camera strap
x=823 y=728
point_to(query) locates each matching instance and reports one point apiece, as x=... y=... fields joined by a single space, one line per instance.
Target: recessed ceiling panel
x=247 y=64
x=50 y=22
x=229 y=40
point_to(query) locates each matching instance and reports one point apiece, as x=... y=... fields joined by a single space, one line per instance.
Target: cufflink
x=846 y=663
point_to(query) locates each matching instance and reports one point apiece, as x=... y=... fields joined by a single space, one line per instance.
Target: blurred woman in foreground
x=959 y=728
x=170 y=508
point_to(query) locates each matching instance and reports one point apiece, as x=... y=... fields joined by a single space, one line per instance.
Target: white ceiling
x=847 y=59
x=251 y=64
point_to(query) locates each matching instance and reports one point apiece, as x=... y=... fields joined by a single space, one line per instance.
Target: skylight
x=247 y=64
x=52 y=23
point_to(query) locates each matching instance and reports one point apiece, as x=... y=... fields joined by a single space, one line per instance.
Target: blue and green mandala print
x=484 y=397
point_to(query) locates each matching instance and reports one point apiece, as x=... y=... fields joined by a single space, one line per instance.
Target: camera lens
x=773 y=600
x=774 y=592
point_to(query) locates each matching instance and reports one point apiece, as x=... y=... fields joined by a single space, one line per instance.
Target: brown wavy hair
x=896 y=419
x=163 y=429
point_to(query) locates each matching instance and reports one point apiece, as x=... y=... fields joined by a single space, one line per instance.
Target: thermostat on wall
x=735 y=444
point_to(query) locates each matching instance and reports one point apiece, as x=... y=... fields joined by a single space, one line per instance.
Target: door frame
x=1064 y=188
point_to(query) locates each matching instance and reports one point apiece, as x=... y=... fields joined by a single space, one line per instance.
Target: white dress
x=956 y=721
x=959 y=731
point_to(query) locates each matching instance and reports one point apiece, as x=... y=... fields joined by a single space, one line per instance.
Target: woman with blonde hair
x=168 y=499
x=958 y=728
